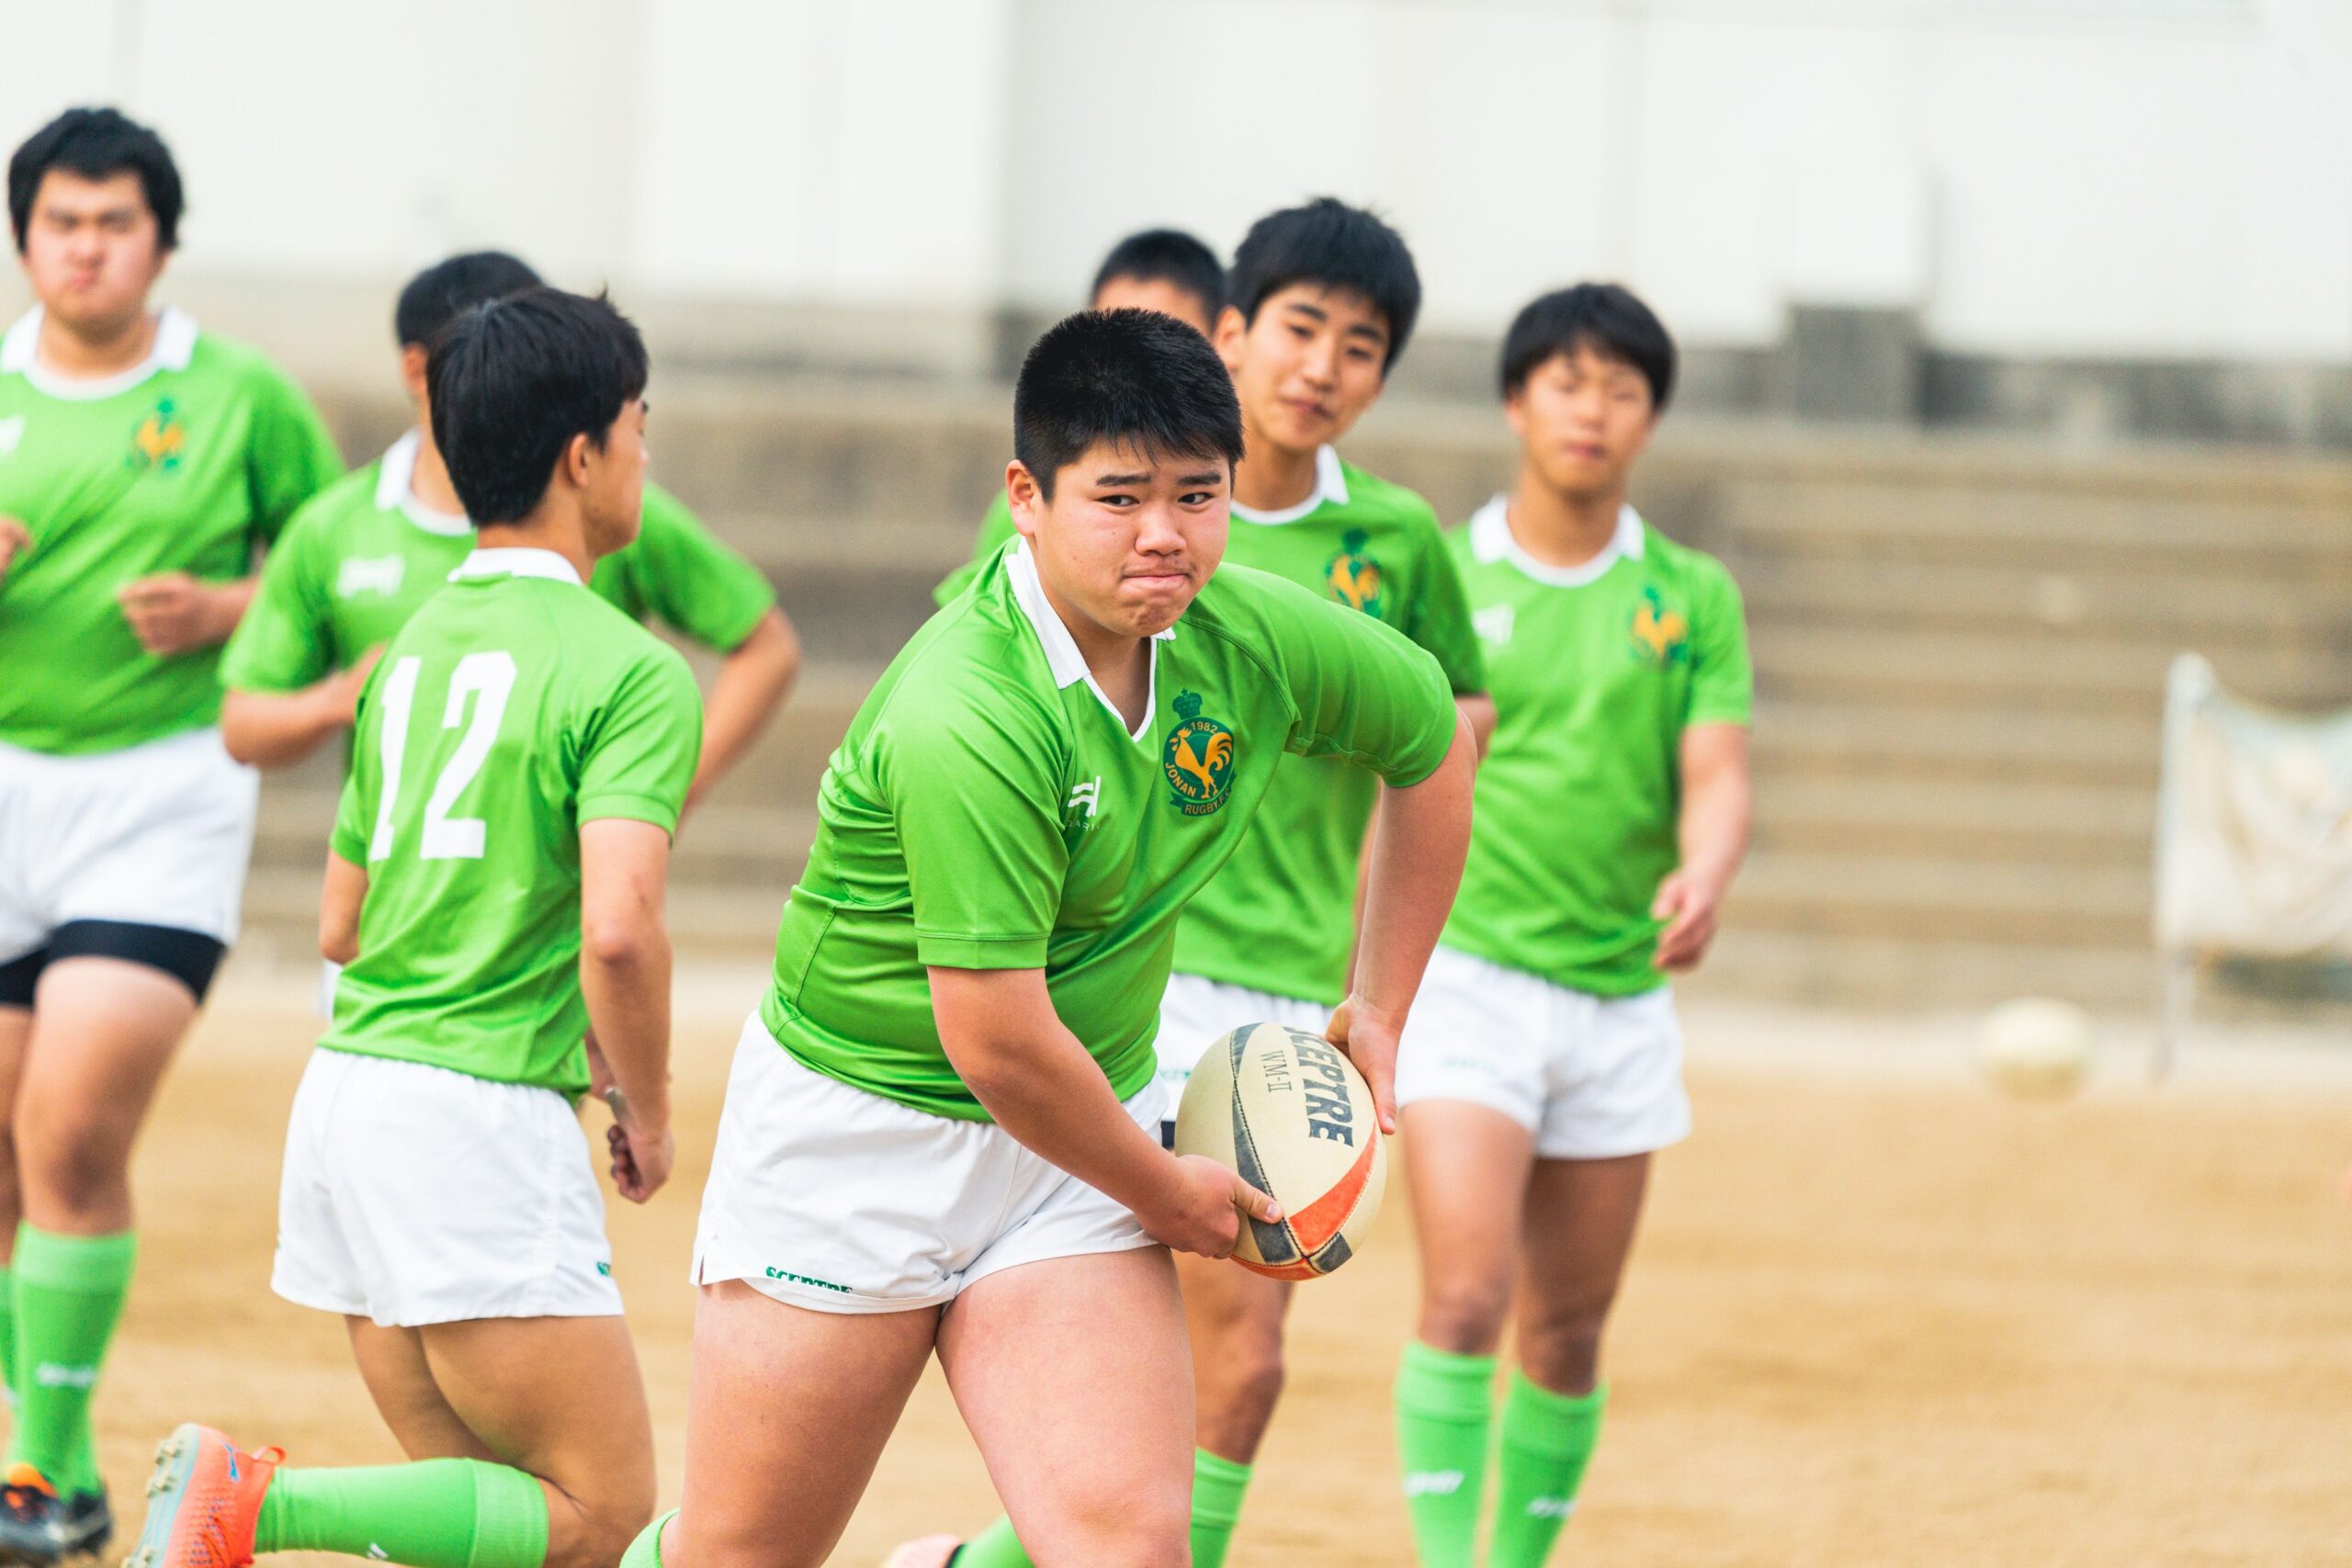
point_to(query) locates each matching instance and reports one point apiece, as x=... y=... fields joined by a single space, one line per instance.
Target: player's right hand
x=641 y=1159
x=13 y=538
x=1203 y=1208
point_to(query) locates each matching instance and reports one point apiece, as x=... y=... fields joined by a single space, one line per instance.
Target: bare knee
x=1463 y=1313
x=598 y=1530
x=73 y=1164
x=1118 y=1532
x=1238 y=1379
x=1559 y=1348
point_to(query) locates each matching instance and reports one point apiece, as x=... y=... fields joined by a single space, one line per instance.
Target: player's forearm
x=272 y=730
x=625 y=978
x=225 y=606
x=341 y=895
x=1478 y=709
x=752 y=684
x=1717 y=809
x=1418 y=843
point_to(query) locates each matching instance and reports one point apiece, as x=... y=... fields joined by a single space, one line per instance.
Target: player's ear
x=1231 y=328
x=1515 y=410
x=1023 y=496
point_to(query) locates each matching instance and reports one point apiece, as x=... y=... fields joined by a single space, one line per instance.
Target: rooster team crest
x=1198 y=758
x=1355 y=576
x=156 y=443
x=1661 y=637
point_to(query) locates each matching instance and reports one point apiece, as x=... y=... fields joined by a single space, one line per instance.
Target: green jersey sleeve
x=291 y=458
x=281 y=644
x=677 y=572
x=349 y=836
x=973 y=777
x=638 y=745
x=1721 y=680
x=1439 y=619
x=1361 y=691
x=996 y=528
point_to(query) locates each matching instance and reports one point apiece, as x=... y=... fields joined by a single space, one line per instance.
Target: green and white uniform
x=116 y=802
x=434 y=1171
x=1268 y=942
x=1544 y=1001
x=988 y=809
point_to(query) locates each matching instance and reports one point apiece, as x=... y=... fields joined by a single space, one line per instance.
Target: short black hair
x=447 y=289
x=513 y=381
x=1167 y=256
x=96 y=143
x=1607 y=318
x=1332 y=244
x=1136 y=377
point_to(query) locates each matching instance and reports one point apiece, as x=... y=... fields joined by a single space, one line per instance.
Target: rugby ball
x=1290 y=1112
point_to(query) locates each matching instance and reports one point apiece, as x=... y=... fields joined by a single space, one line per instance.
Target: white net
x=2254 y=826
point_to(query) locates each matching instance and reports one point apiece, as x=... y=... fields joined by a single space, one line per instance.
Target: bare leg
x=1581 y=1215
x=1071 y=1374
x=1235 y=1321
x=786 y=1416
x=104 y=1031
x=392 y=1365
x=15 y=1040
x=1469 y=1169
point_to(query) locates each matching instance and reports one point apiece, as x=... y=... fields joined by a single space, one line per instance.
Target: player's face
x=92 y=248
x=1583 y=419
x=1308 y=366
x=613 y=485
x=1154 y=294
x=1128 y=540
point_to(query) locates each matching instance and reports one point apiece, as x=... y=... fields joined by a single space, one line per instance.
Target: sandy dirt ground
x=1877 y=1316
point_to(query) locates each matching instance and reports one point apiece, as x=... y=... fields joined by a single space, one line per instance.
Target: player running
x=356 y=563
x=495 y=886
x=1165 y=270
x=142 y=462
x=1543 y=1066
x=1322 y=299
x=941 y=1128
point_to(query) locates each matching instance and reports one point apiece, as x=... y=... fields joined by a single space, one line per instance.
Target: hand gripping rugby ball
x=1290 y=1112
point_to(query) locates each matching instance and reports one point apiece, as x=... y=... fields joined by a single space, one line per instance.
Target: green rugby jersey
x=996 y=532
x=512 y=707
x=1281 y=918
x=989 y=810
x=1596 y=671
x=186 y=463
x=356 y=563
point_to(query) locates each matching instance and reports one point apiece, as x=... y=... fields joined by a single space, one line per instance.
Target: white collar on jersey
x=1491 y=540
x=395 y=491
x=20 y=355
x=1062 y=656
x=1331 y=484
x=516 y=560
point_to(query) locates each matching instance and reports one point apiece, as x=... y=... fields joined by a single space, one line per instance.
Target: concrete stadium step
x=1915 y=741
x=1993 y=819
x=1902 y=974
x=1811 y=894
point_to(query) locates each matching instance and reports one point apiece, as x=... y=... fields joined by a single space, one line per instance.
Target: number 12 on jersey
x=488 y=679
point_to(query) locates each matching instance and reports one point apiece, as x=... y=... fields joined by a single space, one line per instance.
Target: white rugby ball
x=1290 y=1112
x=2036 y=1048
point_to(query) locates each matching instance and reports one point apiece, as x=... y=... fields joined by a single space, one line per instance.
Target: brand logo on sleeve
x=1086 y=796
x=359 y=575
x=159 y=440
x=1355 y=576
x=1661 y=637
x=12 y=430
x=1198 y=758
x=1494 y=623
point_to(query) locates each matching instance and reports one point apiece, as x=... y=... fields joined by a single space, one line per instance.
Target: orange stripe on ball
x=1320 y=1221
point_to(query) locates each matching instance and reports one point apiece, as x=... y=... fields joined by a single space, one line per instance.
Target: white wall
x=2104 y=177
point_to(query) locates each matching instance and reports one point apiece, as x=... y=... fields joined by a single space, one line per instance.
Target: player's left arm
x=1712 y=759
x=346 y=890
x=752 y=684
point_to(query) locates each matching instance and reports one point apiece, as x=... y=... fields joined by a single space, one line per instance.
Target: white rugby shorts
x=156 y=834
x=415 y=1195
x=1195 y=1013
x=1592 y=1077
x=827 y=1196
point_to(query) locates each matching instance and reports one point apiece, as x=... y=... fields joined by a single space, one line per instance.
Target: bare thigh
x=786 y=1414
x=104 y=1032
x=1071 y=1373
x=15 y=1037
x=558 y=1397
x=1581 y=1215
x=1467 y=1167
x=1234 y=1320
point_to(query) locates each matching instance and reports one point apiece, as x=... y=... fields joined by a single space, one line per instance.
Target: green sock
x=645 y=1551
x=436 y=1513
x=1217 y=1486
x=8 y=1333
x=69 y=1292
x=995 y=1546
x=1547 y=1442
x=1444 y=1402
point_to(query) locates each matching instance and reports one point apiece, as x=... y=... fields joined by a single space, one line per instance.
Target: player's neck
x=1120 y=663
x=93 y=354
x=563 y=532
x=1271 y=477
x=1561 y=529
x=428 y=480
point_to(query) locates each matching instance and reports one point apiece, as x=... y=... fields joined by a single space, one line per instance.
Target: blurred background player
x=941 y=1128
x=1544 y=1064
x=356 y=563
x=495 y=885
x=1322 y=299
x=1165 y=270
x=141 y=464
